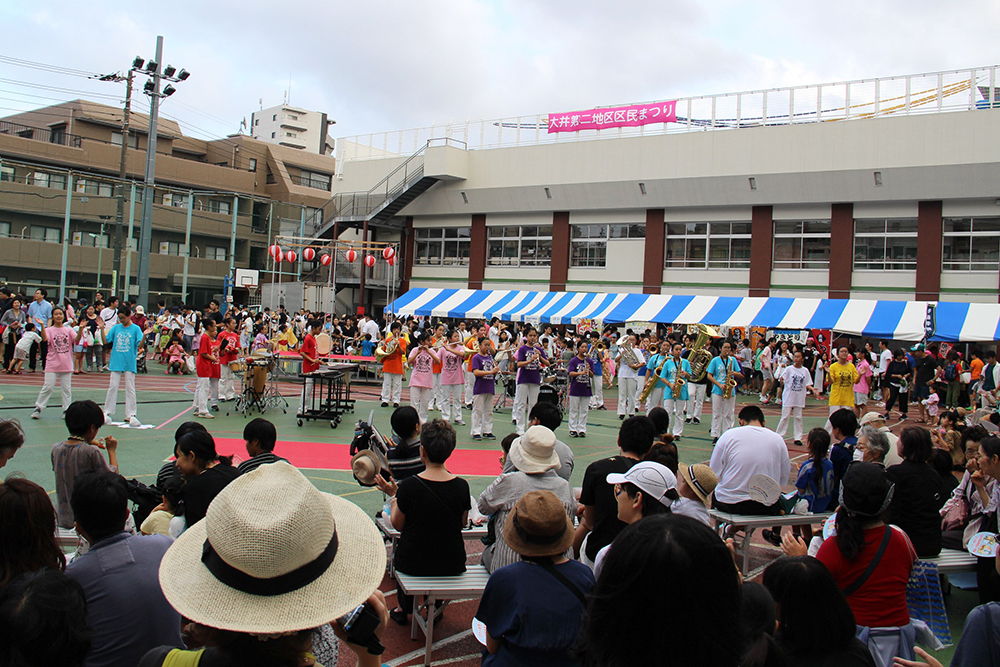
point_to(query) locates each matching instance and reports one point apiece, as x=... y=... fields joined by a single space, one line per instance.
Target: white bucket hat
x=272 y=555
x=534 y=452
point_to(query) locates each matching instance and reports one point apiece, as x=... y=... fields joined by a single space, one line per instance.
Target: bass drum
x=548 y=393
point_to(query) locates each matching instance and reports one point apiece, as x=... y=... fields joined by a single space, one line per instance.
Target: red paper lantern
x=278 y=258
x=351 y=255
x=290 y=256
x=309 y=254
x=274 y=250
x=325 y=260
x=369 y=260
x=389 y=253
x=392 y=261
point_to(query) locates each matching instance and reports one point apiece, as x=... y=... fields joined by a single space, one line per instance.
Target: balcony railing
x=48 y=135
x=935 y=92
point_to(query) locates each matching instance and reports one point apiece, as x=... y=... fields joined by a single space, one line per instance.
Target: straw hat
x=367 y=463
x=534 y=452
x=538 y=526
x=701 y=479
x=272 y=555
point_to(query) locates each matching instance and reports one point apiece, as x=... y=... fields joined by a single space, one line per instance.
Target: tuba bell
x=699 y=357
x=386 y=348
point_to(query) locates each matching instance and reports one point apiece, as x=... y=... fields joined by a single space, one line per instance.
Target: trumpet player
x=581 y=373
x=530 y=361
x=676 y=370
x=392 y=367
x=723 y=369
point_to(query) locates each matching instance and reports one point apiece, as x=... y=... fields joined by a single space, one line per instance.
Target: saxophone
x=651 y=381
x=679 y=384
x=730 y=384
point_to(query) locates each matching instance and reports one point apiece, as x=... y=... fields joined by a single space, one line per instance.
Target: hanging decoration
x=369 y=261
x=279 y=257
x=325 y=260
x=309 y=254
x=391 y=261
x=388 y=253
x=351 y=255
x=274 y=251
x=290 y=256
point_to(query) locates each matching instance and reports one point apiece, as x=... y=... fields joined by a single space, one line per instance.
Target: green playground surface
x=167 y=402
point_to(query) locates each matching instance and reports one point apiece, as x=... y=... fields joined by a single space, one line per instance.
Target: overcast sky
x=388 y=65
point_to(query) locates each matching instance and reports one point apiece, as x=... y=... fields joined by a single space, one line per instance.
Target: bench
x=751 y=523
x=469 y=584
x=952 y=560
x=387 y=530
x=67 y=538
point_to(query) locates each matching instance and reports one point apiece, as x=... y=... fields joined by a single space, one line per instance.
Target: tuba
x=626 y=353
x=679 y=384
x=386 y=348
x=730 y=384
x=699 y=357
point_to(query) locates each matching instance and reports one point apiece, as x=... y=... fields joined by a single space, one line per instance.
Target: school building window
x=971 y=244
x=588 y=245
x=801 y=244
x=448 y=246
x=885 y=244
x=520 y=246
x=711 y=245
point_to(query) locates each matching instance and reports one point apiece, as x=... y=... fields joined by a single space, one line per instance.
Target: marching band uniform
x=723 y=409
x=392 y=373
x=675 y=406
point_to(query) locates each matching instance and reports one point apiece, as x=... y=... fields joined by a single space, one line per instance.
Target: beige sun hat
x=534 y=452
x=701 y=479
x=366 y=464
x=273 y=554
x=538 y=526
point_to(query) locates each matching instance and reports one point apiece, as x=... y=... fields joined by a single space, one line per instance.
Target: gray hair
x=878 y=442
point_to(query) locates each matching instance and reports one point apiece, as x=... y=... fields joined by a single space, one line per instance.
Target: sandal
x=399 y=616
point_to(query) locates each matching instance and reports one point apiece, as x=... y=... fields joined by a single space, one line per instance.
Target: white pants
x=206 y=389
x=722 y=414
x=111 y=400
x=420 y=399
x=578 y=413
x=640 y=382
x=482 y=414
x=392 y=387
x=597 y=391
x=470 y=380
x=796 y=414
x=655 y=399
x=626 y=395
x=306 y=399
x=228 y=386
x=696 y=400
x=834 y=408
x=676 y=411
x=437 y=395
x=525 y=397
x=65 y=384
x=451 y=402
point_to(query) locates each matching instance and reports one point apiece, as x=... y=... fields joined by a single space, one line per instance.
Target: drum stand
x=503 y=400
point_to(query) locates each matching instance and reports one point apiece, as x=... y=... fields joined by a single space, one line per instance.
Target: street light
x=99 y=239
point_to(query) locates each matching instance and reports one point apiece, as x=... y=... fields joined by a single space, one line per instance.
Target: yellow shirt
x=843 y=377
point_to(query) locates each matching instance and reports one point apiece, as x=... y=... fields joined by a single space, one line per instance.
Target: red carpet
x=333 y=456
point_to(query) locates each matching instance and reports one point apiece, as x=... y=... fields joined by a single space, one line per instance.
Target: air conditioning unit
x=168 y=199
x=164 y=247
x=77 y=238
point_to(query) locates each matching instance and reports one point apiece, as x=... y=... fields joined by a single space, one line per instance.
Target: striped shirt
x=259 y=460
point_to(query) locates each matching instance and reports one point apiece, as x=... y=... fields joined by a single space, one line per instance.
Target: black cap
x=865 y=490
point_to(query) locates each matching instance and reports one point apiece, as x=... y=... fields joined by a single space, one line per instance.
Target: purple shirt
x=579 y=385
x=487 y=383
x=530 y=374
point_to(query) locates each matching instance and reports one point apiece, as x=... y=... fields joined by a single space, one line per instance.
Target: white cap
x=652 y=478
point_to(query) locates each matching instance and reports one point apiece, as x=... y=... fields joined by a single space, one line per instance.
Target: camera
x=359 y=625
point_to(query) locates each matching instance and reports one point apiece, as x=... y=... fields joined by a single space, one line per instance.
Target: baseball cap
x=919 y=347
x=652 y=478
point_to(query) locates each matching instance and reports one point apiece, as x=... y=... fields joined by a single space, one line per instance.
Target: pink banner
x=600 y=119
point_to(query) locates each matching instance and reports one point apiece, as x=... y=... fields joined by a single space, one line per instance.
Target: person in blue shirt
x=723 y=409
x=125 y=340
x=368 y=346
x=675 y=407
x=40 y=314
x=815 y=483
x=655 y=397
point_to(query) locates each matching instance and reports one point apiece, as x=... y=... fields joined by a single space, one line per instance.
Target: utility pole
x=146 y=227
x=120 y=214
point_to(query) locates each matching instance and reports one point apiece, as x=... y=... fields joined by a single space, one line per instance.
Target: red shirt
x=881 y=601
x=232 y=352
x=204 y=367
x=308 y=348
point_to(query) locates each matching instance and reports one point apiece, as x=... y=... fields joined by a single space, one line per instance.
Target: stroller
x=140 y=361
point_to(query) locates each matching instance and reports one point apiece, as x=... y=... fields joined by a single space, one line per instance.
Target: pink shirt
x=423 y=368
x=60 y=355
x=864 y=372
x=451 y=367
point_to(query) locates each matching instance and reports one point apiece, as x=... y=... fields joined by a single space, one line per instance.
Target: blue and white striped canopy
x=899 y=320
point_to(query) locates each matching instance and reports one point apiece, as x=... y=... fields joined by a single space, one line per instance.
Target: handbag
x=955 y=514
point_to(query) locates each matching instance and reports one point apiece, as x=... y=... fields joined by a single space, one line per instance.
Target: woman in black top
x=206 y=473
x=916 y=501
x=900 y=376
x=429 y=509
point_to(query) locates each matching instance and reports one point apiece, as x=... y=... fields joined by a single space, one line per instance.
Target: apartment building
x=216 y=203
x=294 y=127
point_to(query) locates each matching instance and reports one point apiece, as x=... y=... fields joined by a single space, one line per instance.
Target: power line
x=58 y=89
x=55 y=69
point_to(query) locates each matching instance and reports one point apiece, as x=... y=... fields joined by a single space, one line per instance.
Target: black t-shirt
x=600 y=495
x=349 y=331
x=898 y=368
x=431 y=543
x=915 y=504
x=926 y=367
x=216 y=317
x=199 y=491
x=808 y=358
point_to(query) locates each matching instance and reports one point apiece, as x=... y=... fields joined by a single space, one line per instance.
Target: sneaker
x=215 y=408
x=134 y=422
x=395 y=405
x=37 y=414
x=695 y=420
x=798 y=443
x=459 y=422
x=771 y=536
x=677 y=438
x=714 y=440
x=204 y=415
x=601 y=407
x=687 y=421
x=572 y=434
x=581 y=434
x=384 y=404
x=477 y=437
x=621 y=417
x=489 y=436
x=108 y=418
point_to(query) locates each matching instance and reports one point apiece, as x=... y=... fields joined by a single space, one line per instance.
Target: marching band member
x=392 y=367
x=600 y=355
x=471 y=347
x=452 y=378
x=485 y=370
x=437 y=342
x=422 y=359
x=628 y=376
x=530 y=361
x=719 y=371
x=675 y=406
x=655 y=397
x=581 y=371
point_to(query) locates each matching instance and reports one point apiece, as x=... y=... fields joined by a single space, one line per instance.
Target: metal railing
x=48 y=135
x=935 y=92
x=311 y=182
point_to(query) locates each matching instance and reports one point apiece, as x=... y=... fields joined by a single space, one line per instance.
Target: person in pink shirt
x=861 y=388
x=422 y=359
x=58 y=361
x=176 y=356
x=452 y=378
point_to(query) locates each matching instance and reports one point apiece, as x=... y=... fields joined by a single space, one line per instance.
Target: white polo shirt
x=626 y=371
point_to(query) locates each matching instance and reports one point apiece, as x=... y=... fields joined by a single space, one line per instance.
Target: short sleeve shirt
x=451 y=368
x=60 y=355
x=796 y=381
x=308 y=349
x=39 y=312
x=531 y=373
x=843 y=377
x=600 y=495
x=718 y=368
x=487 y=383
x=669 y=373
x=580 y=384
x=124 y=347
x=70 y=459
x=202 y=365
x=431 y=542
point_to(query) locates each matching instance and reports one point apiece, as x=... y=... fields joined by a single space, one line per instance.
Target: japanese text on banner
x=599 y=119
